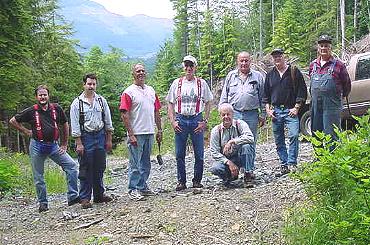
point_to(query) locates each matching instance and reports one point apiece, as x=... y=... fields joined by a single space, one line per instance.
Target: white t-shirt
x=189 y=96
x=141 y=103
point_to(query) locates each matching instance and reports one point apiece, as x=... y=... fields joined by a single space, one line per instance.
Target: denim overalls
x=326 y=103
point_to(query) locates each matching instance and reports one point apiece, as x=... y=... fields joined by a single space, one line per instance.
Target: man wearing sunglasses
x=329 y=83
x=188 y=110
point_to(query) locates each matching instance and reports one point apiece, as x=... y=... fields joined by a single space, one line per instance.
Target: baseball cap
x=191 y=59
x=324 y=39
x=277 y=51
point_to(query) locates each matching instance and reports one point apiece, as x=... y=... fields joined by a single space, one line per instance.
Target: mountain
x=137 y=36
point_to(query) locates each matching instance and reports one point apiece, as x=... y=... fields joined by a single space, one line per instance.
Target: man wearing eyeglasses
x=188 y=110
x=285 y=93
x=243 y=89
x=329 y=83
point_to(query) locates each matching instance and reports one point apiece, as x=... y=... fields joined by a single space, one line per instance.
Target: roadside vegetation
x=338 y=187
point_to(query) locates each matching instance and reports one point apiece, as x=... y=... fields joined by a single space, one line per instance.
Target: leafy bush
x=9 y=172
x=338 y=185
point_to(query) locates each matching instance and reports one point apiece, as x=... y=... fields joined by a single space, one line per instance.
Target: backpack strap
x=219 y=138
x=102 y=109
x=81 y=119
x=237 y=127
x=293 y=69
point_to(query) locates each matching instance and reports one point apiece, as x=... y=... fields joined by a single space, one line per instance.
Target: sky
x=153 y=8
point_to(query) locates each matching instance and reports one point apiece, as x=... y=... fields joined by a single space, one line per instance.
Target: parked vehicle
x=359 y=97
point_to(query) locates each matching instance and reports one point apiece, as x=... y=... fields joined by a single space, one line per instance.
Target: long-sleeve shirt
x=217 y=144
x=340 y=74
x=243 y=95
x=93 y=120
x=282 y=90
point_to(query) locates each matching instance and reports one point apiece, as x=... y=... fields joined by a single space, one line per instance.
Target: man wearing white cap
x=188 y=110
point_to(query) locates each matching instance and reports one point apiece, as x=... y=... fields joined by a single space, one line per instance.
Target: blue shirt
x=243 y=95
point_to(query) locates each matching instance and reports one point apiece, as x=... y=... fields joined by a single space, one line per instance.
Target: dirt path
x=212 y=215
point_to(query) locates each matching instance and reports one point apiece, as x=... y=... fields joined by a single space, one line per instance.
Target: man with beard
x=243 y=89
x=285 y=93
x=229 y=145
x=44 y=118
x=92 y=128
x=140 y=113
x=329 y=83
x=189 y=100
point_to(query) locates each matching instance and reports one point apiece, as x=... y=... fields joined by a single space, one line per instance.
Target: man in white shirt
x=140 y=113
x=188 y=98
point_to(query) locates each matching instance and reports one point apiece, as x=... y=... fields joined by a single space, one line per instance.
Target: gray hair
x=226 y=106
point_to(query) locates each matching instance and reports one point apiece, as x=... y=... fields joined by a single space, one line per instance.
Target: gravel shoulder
x=212 y=215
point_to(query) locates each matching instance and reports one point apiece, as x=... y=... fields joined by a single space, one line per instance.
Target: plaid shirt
x=340 y=74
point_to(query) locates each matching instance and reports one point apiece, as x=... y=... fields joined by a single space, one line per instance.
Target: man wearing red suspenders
x=44 y=118
x=188 y=97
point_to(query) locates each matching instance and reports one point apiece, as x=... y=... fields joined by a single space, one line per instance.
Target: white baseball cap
x=191 y=59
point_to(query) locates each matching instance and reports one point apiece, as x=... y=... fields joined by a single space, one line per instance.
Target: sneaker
x=284 y=170
x=43 y=207
x=249 y=179
x=135 y=195
x=85 y=204
x=180 y=186
x=102 y=199
x=197 y=184
x=293 y=168
x=148 y=192
x=74 y=201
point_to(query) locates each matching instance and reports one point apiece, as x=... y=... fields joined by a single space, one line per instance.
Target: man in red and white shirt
x=140 y=113
x=188 y=98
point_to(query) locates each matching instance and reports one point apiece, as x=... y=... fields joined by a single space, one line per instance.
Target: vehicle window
x=363 y=68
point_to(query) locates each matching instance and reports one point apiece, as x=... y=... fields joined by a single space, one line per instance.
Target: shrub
x=338 y=185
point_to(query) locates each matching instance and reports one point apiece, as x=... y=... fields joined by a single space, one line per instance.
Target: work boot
x=283 y=171
x=249 y=179
x=102 y=199
x=85 y=204
x=180 y=186
x=43 y=207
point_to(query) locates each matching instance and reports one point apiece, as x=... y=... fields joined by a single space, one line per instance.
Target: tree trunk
x=273 y=16
x=354 y=20
x=342 y=25
x=260 y=27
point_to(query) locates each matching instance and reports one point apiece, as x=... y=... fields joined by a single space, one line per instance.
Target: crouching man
x=230 y=141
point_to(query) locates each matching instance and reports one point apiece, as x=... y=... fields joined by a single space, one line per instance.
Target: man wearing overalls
x=329 y=83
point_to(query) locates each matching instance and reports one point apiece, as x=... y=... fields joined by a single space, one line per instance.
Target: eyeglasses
x=140 y=71
x=189 y=64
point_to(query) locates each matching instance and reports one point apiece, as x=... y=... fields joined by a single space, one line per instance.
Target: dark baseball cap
x=324 y=39
x=277 y=51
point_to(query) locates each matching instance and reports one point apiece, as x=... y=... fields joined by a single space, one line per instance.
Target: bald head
x=244 y=62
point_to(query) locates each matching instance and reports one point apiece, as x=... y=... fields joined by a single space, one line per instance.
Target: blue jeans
x=92 y=165
x=222 y=170
x=139 y=169
x=251 y=118
x=68 y=165
x=292 y=123
x=188 y=124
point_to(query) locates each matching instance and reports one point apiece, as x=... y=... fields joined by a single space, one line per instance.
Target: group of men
x=245 y=100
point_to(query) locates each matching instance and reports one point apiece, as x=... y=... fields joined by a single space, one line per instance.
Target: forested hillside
x=36 y=47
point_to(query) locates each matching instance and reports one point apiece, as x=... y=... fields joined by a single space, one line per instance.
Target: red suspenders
x=38 y=122
x=197 y=106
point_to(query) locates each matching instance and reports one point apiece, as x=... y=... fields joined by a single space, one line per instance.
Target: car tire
x=305 y=123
